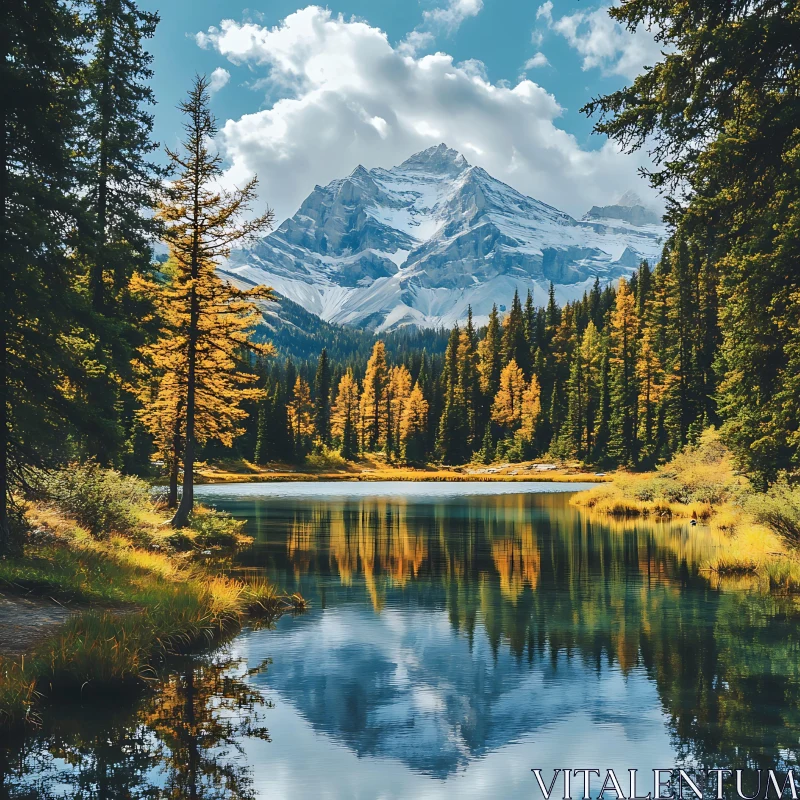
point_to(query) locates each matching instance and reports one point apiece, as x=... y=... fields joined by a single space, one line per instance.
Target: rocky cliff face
x=418 y=243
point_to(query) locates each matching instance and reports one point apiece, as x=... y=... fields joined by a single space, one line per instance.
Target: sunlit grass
x=701 y=483
x=146 y=605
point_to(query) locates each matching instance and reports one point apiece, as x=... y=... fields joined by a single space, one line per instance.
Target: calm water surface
x=459 y=635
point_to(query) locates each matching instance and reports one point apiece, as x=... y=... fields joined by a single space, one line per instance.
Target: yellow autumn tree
x=531 y=410
x=413 y=427
x=398 y=393
x=301 y=415
x=197 y=386
x=375 y=399
x=507 y=405
x=345 y=415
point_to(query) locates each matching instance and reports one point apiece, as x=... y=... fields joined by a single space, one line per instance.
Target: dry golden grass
x=702 y=483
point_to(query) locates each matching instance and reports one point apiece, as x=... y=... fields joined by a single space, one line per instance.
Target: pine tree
x=650 y=382
x=322 y=398
x=453 y=438
x=120 y=187
x=624 y=395
x=490 y=357
x=262 y=435
x=469 y=376
x=375 y=399
x=43 y=346
x=413 y=424
x=584 y=392
x=208 y=323
x=516 y=346
x=345 y=416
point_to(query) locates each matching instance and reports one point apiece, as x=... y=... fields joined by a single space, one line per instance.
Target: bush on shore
x=101 y=500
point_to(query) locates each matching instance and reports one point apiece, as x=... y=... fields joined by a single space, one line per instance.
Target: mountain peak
x=437 y=159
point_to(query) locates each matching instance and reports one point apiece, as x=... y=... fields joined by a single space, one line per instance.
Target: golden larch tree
x=207 y=323
x=399 y=391
x=301 y=414
x=531 y=410
x=507 y=405
x=345 y=415
x=375 y=399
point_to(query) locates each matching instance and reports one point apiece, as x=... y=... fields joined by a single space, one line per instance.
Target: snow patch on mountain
x=421 y=242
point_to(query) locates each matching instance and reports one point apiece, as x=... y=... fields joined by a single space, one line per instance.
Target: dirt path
x=24 y=622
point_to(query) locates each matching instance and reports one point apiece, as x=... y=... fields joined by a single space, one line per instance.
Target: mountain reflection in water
x=455 y=641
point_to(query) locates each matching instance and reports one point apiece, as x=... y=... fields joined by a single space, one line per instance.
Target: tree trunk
x=6 y=296
x=175 y=463
x=181 y=518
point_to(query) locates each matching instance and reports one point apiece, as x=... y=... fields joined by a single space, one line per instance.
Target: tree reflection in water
x=184 y=741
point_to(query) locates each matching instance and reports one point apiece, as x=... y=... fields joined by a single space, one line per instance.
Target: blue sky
x=306 y=93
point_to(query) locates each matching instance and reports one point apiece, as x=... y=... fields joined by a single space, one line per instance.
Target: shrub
x=326 y=458
x=778 y=509
x=216 y=529
x=101 y=500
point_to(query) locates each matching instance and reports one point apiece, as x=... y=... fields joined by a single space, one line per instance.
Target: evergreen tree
x=120 y=187
x=43 y=347
x=490 y=351
x=469 y=376
x=723 y=127
x=413 y=424
x=516 y=345
x=453 y=439
x=584 y=392
x=624 y=394
x=208 y=322
x=322 y=398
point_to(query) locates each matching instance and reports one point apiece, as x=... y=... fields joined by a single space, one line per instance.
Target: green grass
x=145 y=606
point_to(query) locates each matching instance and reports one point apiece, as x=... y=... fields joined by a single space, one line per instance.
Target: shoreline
x=373 y=471
x=102 y=615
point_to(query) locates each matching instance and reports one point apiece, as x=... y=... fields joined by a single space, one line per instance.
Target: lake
x=458 y=636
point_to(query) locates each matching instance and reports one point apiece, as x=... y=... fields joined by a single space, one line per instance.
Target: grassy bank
x=318 y=468
x=761 y=530
x=134 y=599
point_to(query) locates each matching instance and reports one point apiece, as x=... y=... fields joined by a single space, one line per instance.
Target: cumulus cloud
x=347 y=96
x=538 y=60
x=219 y=78
x=603 y=42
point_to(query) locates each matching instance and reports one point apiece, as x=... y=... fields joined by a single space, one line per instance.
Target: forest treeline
x=622 y=377
x=107 y=355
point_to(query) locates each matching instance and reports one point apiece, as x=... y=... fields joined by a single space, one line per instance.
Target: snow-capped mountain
x=417 y=244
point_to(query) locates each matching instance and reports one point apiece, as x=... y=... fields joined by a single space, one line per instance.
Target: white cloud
x=604 y=43
x=219 y=78
x=349 y=97
x=453 y=14
x=538 y=60
x=446 y=19
x=545 y=11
